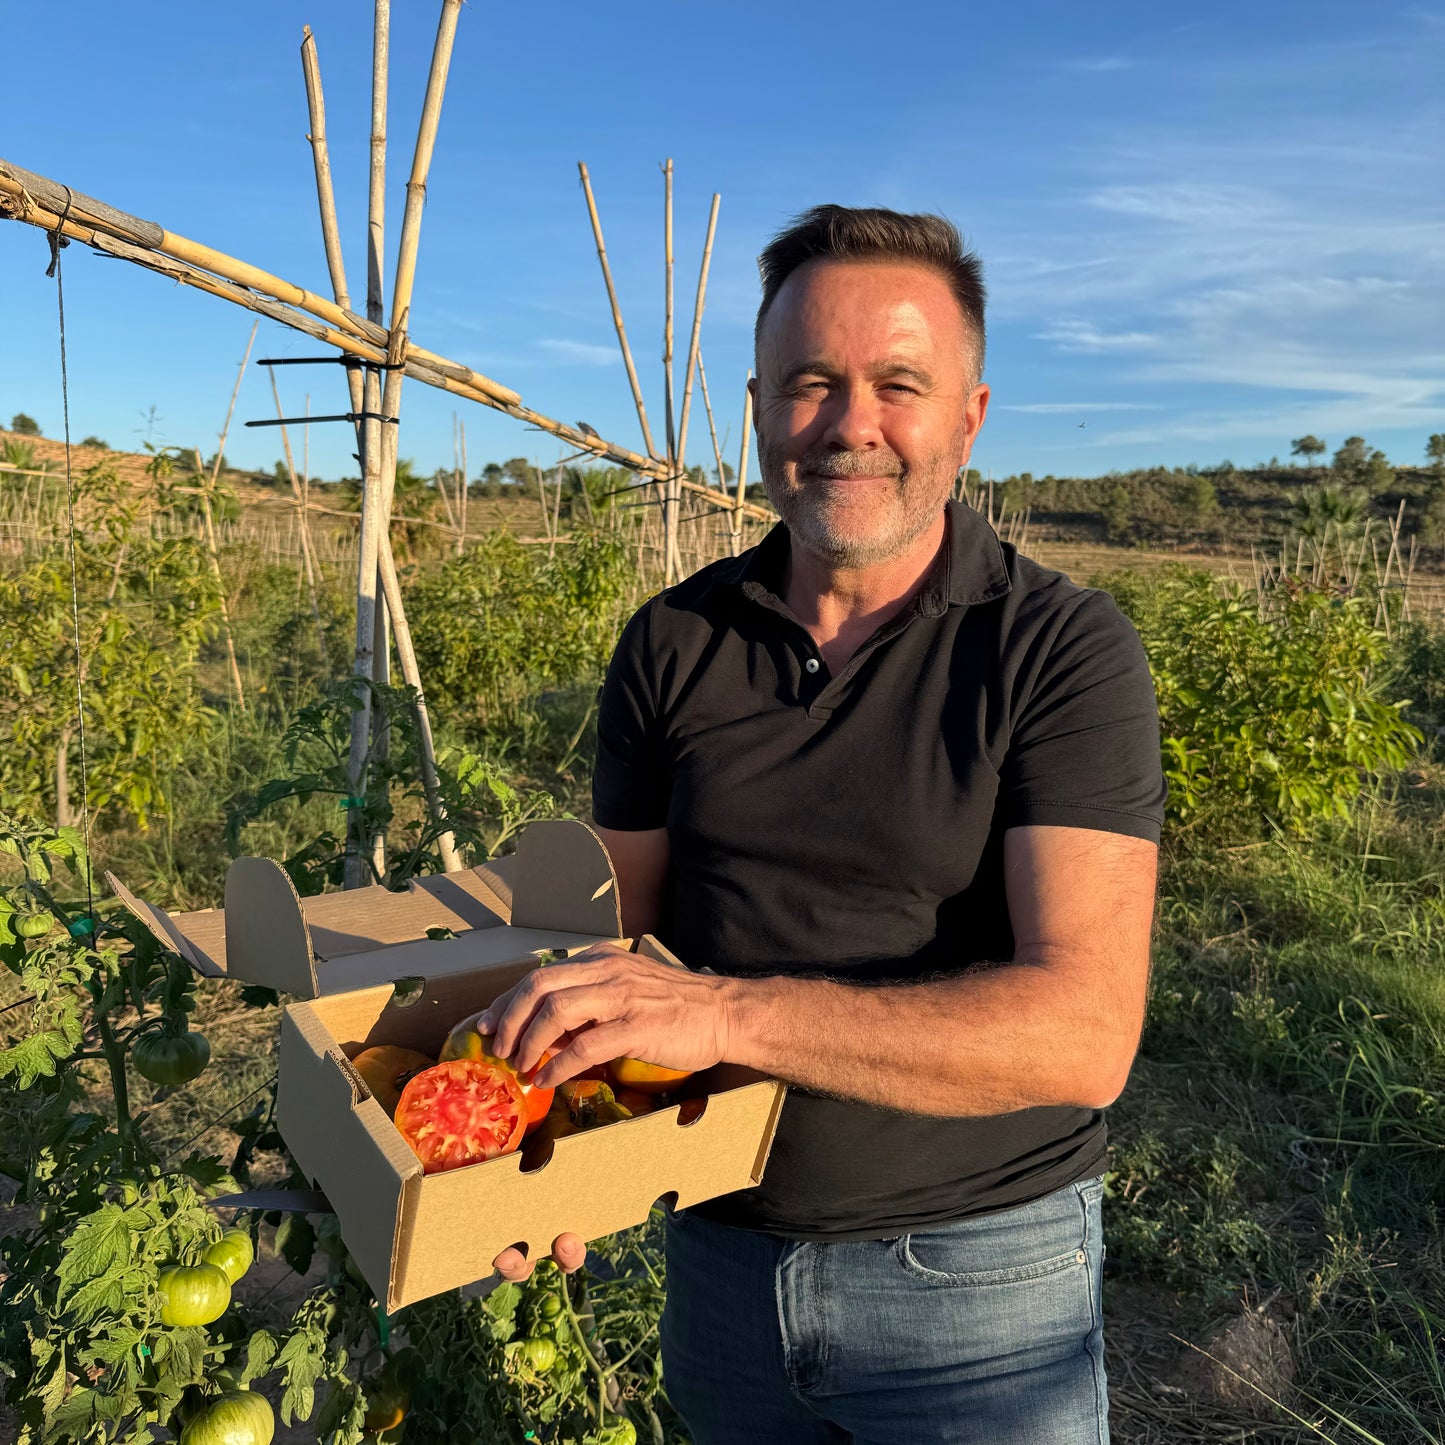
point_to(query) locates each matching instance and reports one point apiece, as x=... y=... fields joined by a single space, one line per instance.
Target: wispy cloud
x=1100 y=64
x=581 y=353
x=1083 y=336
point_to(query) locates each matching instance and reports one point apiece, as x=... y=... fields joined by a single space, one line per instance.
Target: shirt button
x=811 y=664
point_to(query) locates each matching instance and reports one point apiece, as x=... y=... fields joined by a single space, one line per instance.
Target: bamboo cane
x=306 y=558
x=697 y=308
x=326 y=200
x=616 y=311
x=672 y=499
x=215 y=555
x=34 y=198
x=466 y=490
x=739 y=503
x=446 y=841
x=436 y=372
x=711 y=424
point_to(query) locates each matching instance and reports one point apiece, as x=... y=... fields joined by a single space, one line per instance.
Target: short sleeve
x=631 y=786
x=1084 y=747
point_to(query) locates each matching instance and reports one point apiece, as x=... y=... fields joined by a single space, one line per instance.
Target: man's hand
x=606 y=1003
x=567 y=1249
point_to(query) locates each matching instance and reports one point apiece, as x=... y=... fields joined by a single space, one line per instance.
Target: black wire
x=57 y=242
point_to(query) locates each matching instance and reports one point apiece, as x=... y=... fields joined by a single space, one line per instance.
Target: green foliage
x=95 y=441
x=1268 y=712
x=26 y=426
x=21 y=456
x=1318 y=510
x=1308 y=447
x=481 y=808
x=476 y=1374
x=148 y=604
x=1358 y=464
x=504 y=620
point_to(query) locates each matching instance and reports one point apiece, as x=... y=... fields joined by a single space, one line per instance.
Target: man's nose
x=852 y=416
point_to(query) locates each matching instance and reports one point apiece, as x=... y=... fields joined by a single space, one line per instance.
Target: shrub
x=1272 y=709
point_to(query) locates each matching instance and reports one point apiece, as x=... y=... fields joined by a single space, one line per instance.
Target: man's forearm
x=989 y=1042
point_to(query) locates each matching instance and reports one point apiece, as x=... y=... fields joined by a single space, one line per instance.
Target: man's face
x=866 y=406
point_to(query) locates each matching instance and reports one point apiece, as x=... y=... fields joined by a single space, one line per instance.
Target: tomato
x=466 y=1041
x=637 y=1103
x=193 y=1294
x=650 y=1078
x=387 y=1401
x=540 y=1353
x=238 y=1417
x=622 y=1433
x=232 y=1254
x=171 y=1058
x=461 y=1112
x=386 y=1070
x=33 y=925
x=590 y=1102
x=549 y=1307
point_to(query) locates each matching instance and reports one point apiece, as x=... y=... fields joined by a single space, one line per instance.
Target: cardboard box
x=416 y=1235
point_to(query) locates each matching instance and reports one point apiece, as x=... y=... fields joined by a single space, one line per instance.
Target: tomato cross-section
x=462 y=1112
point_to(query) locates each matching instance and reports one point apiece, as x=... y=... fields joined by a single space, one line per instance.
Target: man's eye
x=810 y=388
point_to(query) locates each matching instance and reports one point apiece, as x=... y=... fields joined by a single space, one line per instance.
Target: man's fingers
x=569 y=1250
x=513 y=1265
x=558 y=1017
x=591 y=1046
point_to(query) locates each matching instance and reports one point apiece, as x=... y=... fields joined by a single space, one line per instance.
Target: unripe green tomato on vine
x=171 y=1058
x=236 y=1418
x=233 y=1254
x=540 y=1353
x=195 y=1294
x=33 y=925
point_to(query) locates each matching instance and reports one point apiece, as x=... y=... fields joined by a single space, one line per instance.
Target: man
x=900 y=788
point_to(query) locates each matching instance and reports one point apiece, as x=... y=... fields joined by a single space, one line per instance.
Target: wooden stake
x=672 y=497
x=215 y=553
x=697 y=307
x=711 y=425
x=466 y=490
x=296 y=492
x=737 y=525
x=616 y=311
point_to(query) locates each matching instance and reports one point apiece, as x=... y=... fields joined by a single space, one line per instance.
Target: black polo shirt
x=853 y=826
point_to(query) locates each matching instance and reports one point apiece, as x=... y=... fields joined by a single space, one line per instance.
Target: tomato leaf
x=260 y=1352
x=35 y=1057
x=99 y=1246
x=296 y=1241
x=209 y=1173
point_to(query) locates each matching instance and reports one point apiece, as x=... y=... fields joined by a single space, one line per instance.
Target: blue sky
x=1203 y=236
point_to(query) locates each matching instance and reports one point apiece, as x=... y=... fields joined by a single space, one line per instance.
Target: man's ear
x=975 y=409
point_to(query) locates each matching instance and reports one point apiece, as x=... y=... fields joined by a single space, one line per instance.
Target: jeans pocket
x=911 y=1247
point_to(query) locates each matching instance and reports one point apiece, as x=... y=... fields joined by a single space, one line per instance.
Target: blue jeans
x=986 y=1331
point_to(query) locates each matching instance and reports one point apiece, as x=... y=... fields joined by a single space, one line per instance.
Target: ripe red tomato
x=386 y=1070
x=462 y=1112
x=466 y=1041
x=650 y=1078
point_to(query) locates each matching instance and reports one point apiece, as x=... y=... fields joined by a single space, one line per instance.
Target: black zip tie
x=351 y=416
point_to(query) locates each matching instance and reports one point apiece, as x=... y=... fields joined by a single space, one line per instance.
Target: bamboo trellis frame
x=70 y=215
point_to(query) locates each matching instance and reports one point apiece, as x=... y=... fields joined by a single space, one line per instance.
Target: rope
x=57 y=244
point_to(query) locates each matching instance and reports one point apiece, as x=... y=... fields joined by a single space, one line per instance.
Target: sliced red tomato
x=467 y=1041
x=462 y=1112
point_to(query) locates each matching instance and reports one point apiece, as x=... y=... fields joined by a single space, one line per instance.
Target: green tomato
x=33 y=925
x=233 y=1254
x=193 y=1294
x=171 y=1058
x=540 y=1353
x=237 y=1418
x=549 y=1306
x=624 y=1432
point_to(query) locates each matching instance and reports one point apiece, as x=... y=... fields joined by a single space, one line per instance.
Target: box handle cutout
x=689 y=1111
x=407 y=991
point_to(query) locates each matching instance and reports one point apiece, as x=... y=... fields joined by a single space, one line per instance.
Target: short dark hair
x=842 y=233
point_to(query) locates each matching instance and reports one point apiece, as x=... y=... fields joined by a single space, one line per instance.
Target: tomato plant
x=193 y=1294
x=233 y=1254
x=235 y=1418
x=461 y=1112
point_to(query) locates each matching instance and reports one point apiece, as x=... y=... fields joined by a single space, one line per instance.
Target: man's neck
x=843 y=606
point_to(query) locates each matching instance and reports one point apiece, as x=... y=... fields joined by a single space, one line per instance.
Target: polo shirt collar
x=969 y=569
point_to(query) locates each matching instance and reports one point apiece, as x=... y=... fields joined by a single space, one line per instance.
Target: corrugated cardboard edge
x=267 y=940
x=331 y=1124
x=563 y=879
x=167 y=931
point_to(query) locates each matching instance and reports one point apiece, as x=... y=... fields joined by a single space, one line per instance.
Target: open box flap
x=563 y=878
x=199 y=938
